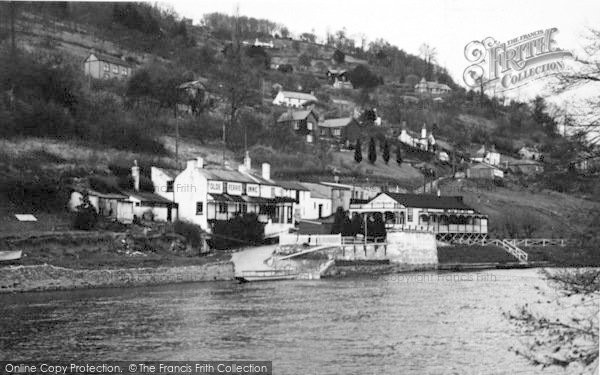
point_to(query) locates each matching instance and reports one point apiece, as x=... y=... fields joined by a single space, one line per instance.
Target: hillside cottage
x=101 y=66
x=294 y=99
x=304 y=123
x=484 y=171
x=529 y=153
x=425 y=142
x=346 y=129
x=483 y=155
x=339 y=79
x=446 y=216
x=431 y=88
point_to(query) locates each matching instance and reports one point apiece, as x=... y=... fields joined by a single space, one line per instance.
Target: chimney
x=199 y=162
x=247 y=161
x=191 y=164
x=424 y=131
x=135 y=174
x=336 y=178
x=266 y=171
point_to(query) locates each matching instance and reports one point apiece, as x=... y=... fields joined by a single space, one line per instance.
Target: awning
x=226 y=198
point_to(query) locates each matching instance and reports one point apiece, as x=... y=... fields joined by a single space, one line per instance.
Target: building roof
x=109 y=59
x=336 y=122
x=226 y=175
x=144 y=196
x=295 y=115
x=199 y=83
x=433 y=85
x=429 y=201
x=336 y=185
x=292 y=185
x=337 y=71
x=299 y=95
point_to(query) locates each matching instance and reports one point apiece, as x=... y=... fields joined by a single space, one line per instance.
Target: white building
x=207 y=195
x=293 y=99
x=425 y=142
x=490 y=156
x=431 y=88
x=101 y=66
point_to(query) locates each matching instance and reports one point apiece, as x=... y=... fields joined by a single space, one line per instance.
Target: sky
x=446 y=25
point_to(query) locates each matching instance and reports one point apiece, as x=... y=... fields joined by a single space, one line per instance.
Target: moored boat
x=8 y=255
x=266 y=275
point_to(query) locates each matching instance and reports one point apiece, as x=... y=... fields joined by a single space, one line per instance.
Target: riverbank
x=48 y=277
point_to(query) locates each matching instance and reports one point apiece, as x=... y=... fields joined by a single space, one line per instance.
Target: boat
x=8 y=255
x=266 y=275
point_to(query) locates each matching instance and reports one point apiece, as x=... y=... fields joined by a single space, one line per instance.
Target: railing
x=515 y=241
x=310 y=239
x=513 y=250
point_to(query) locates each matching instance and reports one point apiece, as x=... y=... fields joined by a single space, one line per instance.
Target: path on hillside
x=252 y=259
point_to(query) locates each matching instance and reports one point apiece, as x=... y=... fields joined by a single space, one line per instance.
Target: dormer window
x=106 y=67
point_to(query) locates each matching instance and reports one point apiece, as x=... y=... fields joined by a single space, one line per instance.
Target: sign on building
x=253 y=190
x=234 y=188
x=215 y=187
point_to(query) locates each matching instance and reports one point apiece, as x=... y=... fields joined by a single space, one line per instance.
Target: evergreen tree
x=372 y=151
x=398 y=155
x=358 y=151
x=386 y=152
x=338 y=221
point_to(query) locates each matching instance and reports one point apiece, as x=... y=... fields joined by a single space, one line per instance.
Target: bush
x=192 y=232
x=86 y=217
x=242 y=230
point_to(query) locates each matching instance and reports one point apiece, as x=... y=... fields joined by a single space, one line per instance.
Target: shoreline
x=45 y=277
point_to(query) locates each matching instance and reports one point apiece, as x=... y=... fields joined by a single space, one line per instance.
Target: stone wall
x=48 y=277
x=417 y=248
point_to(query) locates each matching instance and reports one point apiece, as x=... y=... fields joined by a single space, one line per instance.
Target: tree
x=339 y=57
x=372 y=151
x=358 y=151
x=304 y=60
x=362 y=77
x=429 y=54
x=338 y=221
x=386 y=152
x=357 y=224
x=398 y=155
x=308 y=37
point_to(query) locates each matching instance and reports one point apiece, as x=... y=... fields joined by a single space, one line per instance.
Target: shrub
x=193 y=233
x=242 y=230
x=86 y=217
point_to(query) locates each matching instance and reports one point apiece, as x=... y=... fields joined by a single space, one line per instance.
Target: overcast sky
x=445 y=25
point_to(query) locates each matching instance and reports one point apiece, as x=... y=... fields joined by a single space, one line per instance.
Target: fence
x=310 y=239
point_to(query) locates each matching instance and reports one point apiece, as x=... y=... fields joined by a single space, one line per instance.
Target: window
x=222 y=208
x=137 y=204
x=106 y=67
x=124 y=70
x=409 y=214
x=337 y=132
x=309 y=126
x=115 y=69
x=199 y=208
x=296 y=125
x=169 y=186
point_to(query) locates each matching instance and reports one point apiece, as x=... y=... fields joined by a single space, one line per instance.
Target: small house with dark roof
x=102 y=66
x=345 y=129
x=447 y=216
x=303 y=122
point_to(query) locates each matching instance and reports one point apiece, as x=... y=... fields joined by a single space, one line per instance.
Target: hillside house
x=294 y=99
x=339 y=79
x=101 y=66
x=346 y=130
x=484 y=171
x=528 y=167
x=431 y=88
x=304 y=123
x=424 y=141
x=114 y=206
x=529 y=153
x=488 y=156
x=446 y=216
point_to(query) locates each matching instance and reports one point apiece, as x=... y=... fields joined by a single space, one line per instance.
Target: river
x=419 y=323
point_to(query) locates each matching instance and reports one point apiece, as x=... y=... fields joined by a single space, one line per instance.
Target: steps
x=513 y=250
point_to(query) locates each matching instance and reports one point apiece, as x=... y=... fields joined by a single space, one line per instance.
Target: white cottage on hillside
x=293 y=99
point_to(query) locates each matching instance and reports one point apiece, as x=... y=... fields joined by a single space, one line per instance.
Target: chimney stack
x=247 y=161
x=199 y=162
x=135 y=174
x=191 y=164
x=266 y=171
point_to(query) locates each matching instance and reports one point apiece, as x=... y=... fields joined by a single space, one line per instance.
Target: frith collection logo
x=505 y=66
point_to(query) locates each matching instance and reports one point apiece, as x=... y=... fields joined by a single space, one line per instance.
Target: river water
x=419 y=323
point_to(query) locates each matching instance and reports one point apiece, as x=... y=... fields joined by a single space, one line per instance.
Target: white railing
x=514 y=251
x=310 y=239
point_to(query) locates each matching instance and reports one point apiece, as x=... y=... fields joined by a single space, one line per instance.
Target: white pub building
x=206 y=195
